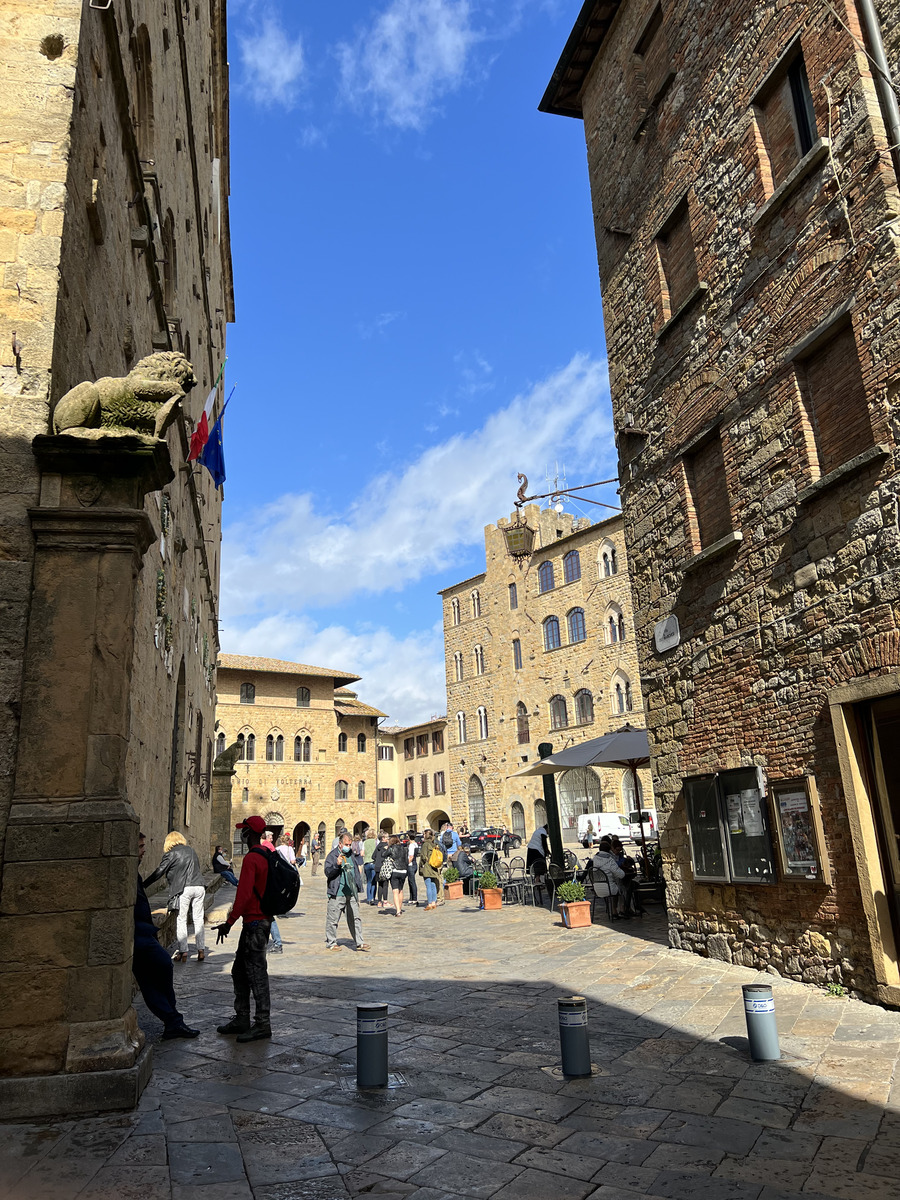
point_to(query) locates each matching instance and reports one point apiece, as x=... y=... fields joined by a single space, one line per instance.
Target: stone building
x=114 y=246
x=307 y=747
x=540 y=649
x=744 y=172
x=413 y=776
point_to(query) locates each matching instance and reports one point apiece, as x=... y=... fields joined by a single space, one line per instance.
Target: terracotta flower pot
x=454 y=890
x=576 y=914
x=490 y=898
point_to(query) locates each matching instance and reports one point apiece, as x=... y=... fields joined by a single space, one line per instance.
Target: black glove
x=222 y=932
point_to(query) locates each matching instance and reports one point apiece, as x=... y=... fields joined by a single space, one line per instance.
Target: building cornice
x=563 y=94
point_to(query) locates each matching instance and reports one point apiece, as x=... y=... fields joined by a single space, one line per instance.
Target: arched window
x=342 y=743
x=242 y=747
x=340 y=790
x=575 y=622
x=279 y=749
x=321 y=830
x=460 y=727
x=551 y=633
x=621 y=628
x=298 y=748
x=482 y=723
x=609 y=562
x=307 y=749
x=523 y=731
x=584 y=707
x=546 y=582
x=248 y=693
x=220 y=744
x=454 y=609
x=517 y=654
x=622 y=699
x=630 y=799
x=572 y=566
x=615 y=624
x=360 y=743
x=302 y=697
x=559 y=713
x=517 y=818
x=270 y=748
x=361 y=790
x=251 y=747
x=170 y=264
x=245 y=796
x=476 y=603
x=303 y=795
x=513 y=596
x=143 y=118
x=458 y=665
x=478 y=655
x=476 y=803
x=339 y=825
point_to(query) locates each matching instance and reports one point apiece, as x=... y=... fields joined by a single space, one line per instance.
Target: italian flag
x=200 y=436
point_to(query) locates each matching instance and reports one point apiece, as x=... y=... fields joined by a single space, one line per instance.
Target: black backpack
x=447 y=839
x=282 y=884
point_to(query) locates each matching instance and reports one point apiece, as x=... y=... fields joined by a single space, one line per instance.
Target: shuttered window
x=834 y=393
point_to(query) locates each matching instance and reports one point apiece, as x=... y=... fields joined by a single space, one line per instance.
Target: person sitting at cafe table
x=628 y=886
x=606 y=866
x=466 y=869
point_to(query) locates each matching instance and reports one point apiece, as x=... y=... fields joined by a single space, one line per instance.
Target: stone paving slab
x=675 y=1108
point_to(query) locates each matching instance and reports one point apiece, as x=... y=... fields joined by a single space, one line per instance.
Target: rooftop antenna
x=556 y=485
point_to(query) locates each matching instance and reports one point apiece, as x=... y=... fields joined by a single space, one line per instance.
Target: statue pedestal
x=69 y=1039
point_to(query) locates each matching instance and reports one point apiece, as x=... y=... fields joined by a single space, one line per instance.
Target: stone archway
x=387 y=825
x=275 y=823
x=436 y=819
x=517 y=818
x=540 y=813
x=301 y=832
x=360 y=828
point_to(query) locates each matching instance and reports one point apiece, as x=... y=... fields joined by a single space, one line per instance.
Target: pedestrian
x=315 y=849
x=249 y=973
x=152 y=965
x=450 y=841
x=223 y=867
x=505 y=839
x=431 y=860
x=345 y=882
x=399 y=873
x=412 y=854
x=538 y=851
x=289 y=854
x=384 y=869
x=466 y=869
x=187 y=892
x=368 y=865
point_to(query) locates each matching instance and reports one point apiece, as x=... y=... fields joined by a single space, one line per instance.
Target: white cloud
x=404 y=677
x=377 y=327
x=412 y=55
x=416 y=521
x=274 y=64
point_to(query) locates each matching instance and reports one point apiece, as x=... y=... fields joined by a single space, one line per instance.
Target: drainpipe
x=887 y=97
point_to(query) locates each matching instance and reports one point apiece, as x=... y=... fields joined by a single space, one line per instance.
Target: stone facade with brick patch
x=747 y=221
x=515 y=680
x=114 y=244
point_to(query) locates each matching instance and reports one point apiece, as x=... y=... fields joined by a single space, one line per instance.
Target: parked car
x=489 y=838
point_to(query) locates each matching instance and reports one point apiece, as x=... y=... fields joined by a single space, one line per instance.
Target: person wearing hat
x=249 y=972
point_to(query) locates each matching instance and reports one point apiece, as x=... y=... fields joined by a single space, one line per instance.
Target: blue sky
x=418 y=318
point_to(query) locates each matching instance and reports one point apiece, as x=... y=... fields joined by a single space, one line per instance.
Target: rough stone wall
x=592 y=664
x=425 y=810
x=90 y=285
x=808 y=599
x=275 y=786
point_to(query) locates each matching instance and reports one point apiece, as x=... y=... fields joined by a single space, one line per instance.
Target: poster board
x=751 y=853
x=801 y=844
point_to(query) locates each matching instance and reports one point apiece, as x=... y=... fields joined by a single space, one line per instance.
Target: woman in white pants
x=187 y=891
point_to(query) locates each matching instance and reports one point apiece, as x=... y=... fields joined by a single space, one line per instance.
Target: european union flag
x=213 y=454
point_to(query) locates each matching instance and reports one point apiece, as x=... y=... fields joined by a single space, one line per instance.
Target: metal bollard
x=371 y=1045
x=574 y=1042
x=762 y=1028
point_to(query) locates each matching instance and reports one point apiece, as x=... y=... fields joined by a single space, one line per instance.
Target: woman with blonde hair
x=181 y=867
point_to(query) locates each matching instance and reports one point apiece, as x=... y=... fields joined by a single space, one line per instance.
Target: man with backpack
x=344 y=886
x=267 y=885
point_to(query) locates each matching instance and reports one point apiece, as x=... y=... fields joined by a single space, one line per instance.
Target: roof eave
x=563 y=95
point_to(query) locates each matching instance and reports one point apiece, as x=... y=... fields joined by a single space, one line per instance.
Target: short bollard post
x=574 y=1042
x=371 y=1045
x=762 y=1029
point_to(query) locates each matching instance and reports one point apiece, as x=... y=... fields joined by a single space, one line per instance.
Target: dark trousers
x=413 y=887
x=152 y=968
x=229 y=877
x=369 y=869
x=250 y=974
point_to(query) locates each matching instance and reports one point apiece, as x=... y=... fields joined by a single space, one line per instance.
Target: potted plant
x=576 y=911
x=490 y=895
x=453 y=887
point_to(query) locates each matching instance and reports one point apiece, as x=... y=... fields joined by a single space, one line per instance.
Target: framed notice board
x=801 y=844
x=730 y=828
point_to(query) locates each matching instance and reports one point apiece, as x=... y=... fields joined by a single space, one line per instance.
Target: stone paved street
x=676 y=1108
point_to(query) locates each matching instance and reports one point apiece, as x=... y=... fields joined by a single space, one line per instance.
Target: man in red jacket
x=248 y=972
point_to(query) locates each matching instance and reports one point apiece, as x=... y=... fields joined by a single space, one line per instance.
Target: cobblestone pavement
x=676 y=1109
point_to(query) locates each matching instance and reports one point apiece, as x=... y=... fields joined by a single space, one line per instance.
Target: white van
x=650 y=827
x=605 y=824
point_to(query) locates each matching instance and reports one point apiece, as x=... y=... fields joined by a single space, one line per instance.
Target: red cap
x=257 y=824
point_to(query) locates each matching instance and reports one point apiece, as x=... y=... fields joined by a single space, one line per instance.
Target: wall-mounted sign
x=667 y=634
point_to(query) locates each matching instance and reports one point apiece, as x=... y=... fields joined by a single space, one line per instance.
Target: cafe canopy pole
x=554 y=828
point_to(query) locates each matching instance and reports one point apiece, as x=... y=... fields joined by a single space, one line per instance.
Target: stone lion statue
x=145 y=401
